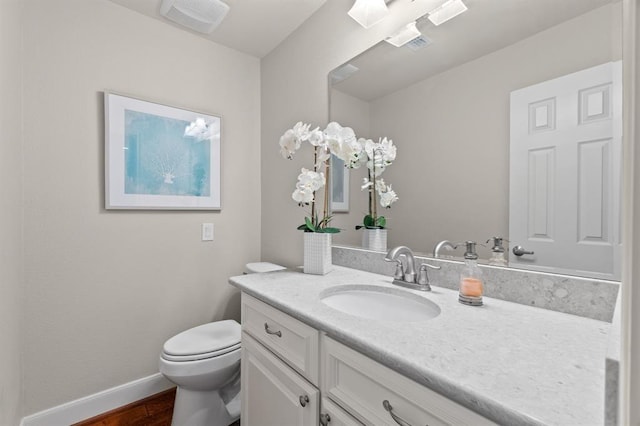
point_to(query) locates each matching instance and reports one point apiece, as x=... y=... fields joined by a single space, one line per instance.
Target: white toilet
x=204 y=363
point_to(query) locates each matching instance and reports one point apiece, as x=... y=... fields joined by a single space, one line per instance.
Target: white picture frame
x=339 y=186
x=151 y=164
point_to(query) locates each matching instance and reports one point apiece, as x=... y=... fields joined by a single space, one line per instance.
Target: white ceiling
x=251 y=26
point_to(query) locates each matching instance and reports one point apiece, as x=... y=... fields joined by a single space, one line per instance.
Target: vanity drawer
x=293 y=341
x=361 y=386
x=332 y=415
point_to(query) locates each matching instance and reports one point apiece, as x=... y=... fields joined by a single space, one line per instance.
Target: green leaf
x=369 y=221
x=382 y=222
x=309 y=224
x=302 y=227
x=359 y=227
x=330 y=230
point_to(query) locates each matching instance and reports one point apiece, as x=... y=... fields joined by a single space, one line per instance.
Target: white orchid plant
x=310 y=181
x=343 y=143
x=376 y=156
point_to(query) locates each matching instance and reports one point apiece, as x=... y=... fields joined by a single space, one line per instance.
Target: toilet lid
x=258 y=267
x=214 y=337
x=206 y=355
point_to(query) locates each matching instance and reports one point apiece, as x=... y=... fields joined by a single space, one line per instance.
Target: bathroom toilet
x=204 y=363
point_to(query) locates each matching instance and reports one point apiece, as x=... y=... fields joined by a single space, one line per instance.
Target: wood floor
x=155 y=410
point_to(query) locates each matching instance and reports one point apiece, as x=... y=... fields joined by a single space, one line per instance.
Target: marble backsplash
x=584 y=297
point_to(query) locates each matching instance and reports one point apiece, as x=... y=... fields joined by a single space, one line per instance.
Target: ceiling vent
x=342 y=73
x=419 y=42
x=202 y=16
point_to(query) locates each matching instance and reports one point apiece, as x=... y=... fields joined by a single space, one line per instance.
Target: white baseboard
x=98 y=403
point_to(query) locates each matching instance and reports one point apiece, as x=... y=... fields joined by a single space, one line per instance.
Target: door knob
x=519 y=251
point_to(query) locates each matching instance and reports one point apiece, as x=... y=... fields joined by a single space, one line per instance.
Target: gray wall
x=11 y=278
x=105 y=289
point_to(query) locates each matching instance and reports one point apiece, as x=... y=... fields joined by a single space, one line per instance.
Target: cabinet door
x=273 y=394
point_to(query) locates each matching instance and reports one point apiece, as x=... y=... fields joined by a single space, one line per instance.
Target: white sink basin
x=380 y=303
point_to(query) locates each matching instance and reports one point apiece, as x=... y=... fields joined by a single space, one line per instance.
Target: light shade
x=405 y=35
x=368 y=12
x=450 y=9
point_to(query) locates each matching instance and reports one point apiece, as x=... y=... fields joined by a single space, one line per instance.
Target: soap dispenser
x=497 y=252
x=471 y=285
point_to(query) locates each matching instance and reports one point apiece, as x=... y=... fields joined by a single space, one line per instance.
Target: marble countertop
x=514 y=364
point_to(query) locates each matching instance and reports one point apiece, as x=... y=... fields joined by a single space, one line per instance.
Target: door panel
x=566 y=137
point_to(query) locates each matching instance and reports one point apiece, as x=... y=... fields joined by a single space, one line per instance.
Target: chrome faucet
x=409 y=272
x=405 y=275
x=444 y=244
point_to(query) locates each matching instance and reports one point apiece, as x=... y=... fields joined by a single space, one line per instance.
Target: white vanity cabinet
x=293 y=375
x=279 y=368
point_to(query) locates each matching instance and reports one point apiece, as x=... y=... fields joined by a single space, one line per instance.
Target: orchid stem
x=374 y=214
x=327 y=169
x=313 y=203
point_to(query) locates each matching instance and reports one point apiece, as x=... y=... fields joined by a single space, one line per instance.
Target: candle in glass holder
x=471 y=287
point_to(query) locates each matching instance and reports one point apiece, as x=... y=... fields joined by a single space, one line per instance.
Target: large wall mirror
x=449 y=101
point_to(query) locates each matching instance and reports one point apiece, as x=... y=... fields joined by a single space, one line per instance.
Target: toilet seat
x=204 y=341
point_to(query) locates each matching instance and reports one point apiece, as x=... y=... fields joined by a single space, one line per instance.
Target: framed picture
x=160 y=157
x=339 y=186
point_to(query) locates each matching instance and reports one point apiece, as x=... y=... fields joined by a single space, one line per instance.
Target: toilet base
x=198 y=408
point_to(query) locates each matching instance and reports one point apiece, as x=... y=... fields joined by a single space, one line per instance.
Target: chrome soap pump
x=471 y=285
x=497 y=252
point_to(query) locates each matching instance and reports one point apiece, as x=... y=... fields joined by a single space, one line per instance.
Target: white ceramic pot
x=374 y=239
x=317 y=253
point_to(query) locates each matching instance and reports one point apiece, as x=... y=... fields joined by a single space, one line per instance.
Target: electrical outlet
x=207 y=232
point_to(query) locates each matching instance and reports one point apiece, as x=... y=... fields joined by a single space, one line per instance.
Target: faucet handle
x=423 y=277
x=399 y=274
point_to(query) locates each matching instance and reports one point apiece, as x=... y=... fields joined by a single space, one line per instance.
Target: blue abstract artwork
x=160 y=160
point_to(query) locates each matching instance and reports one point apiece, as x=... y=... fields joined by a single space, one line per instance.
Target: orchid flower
x=198 y=129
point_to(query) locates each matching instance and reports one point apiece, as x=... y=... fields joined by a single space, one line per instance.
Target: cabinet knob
x=325 y=419
x=269 y=331
x=304 y=400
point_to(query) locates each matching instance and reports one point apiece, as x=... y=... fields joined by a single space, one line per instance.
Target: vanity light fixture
x=404 y=35
x=368 y=12
x=449 y=9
